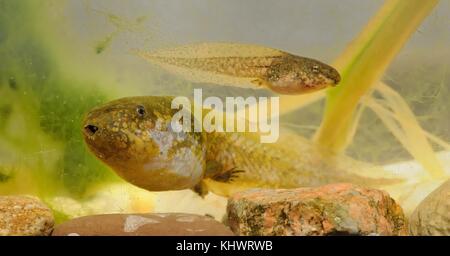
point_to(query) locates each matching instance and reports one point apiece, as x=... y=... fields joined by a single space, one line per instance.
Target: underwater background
x=58 y=59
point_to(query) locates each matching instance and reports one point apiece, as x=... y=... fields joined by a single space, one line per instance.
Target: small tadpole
x=121 y=25
x=5 y=111
x=12 y=83
x=105 y=43
x=4 y=177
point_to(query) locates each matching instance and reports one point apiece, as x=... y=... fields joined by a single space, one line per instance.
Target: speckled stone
x=432 y=216
x=153 y=224
x=336 y=209
x=24 y=216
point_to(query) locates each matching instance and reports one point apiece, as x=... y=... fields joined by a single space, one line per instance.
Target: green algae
x=41 y=112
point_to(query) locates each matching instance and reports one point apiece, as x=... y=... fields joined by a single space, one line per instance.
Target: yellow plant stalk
x=363 y=63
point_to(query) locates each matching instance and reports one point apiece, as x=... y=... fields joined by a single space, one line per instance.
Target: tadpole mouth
x=336 y=77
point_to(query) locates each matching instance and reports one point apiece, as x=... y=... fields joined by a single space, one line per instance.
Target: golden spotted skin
x=141 y=147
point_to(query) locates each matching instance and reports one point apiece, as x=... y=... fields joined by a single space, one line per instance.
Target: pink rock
x=336 y=209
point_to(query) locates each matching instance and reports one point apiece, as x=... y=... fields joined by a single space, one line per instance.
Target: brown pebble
x=152 y=224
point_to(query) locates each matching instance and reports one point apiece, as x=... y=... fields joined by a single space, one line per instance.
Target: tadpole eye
x=140 y=110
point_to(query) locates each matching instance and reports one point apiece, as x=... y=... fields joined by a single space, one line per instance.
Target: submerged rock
x=337 y=209
x=153 y=224
x=432 y=216
x=24 y=216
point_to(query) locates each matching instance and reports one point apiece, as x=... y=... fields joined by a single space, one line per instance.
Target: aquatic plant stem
x=363 y=63
x=393 y=111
